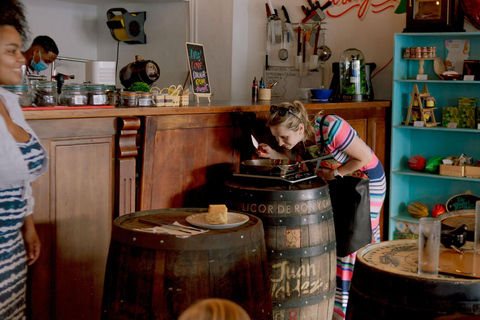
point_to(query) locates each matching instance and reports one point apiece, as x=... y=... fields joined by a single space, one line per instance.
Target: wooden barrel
x=300 y=240
x=385 y=285
x=157 y=276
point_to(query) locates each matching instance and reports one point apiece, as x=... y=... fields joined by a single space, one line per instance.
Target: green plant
x=139 y=86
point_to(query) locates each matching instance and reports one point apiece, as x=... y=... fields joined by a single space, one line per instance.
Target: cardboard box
x=472 y=172
x=453 y=171
x=449 y=114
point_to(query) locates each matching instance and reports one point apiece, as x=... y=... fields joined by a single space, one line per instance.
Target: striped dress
x=13 y=267
x=338 y=136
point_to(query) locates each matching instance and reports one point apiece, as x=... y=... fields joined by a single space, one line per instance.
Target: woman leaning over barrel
x=300 y=139
x=22 y=160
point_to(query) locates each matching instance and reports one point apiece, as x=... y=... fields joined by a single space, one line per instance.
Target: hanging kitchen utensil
x=313 y=64
x=298 y=58
x=288 y=24
x=277 y=27
x=324 y=52
x=283 y=52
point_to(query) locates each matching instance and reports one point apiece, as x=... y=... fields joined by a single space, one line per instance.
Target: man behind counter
x=41 y=53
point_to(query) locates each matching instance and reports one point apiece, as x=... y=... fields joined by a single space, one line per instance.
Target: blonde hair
x=215 y=309
x=292 y=121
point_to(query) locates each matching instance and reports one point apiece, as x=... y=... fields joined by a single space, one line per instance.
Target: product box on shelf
x=466 y=112
x=451 y=170
x=472 y=171
x=449 y=114
x=478 y=119
x=405 y=230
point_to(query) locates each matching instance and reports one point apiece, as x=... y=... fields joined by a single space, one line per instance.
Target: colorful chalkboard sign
x=197 y=65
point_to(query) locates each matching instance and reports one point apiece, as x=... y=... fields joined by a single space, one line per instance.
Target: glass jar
x=145 y=99
x=46 y=94
x=22 y=91
x=96 y=95
x=73 y=95
x=353 y=82
x=128 y=99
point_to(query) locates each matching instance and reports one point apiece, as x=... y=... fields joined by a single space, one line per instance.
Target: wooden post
x=125 y=193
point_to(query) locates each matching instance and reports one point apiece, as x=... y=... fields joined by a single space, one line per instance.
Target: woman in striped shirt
x=22 y=160
x=300 y=139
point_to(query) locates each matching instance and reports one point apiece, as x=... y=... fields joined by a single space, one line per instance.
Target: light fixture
x=127 y=27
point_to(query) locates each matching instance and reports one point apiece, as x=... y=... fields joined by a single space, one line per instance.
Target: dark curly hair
x=12 y=14
x=47 y=43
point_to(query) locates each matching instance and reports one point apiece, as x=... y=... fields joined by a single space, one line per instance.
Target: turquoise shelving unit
x=407 y=185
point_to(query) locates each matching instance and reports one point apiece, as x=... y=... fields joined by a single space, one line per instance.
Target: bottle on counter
x=255 y=90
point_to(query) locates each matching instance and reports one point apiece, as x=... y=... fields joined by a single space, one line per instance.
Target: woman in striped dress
x=300 y=139
x=22 y=160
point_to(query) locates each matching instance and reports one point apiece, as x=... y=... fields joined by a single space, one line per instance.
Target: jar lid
x=128 y=93
x=96 y=86
x=46 y=84
x=143 y=93
x=16 y=86
x=74 y=86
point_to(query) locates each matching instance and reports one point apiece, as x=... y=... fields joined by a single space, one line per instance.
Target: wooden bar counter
x=106 y=163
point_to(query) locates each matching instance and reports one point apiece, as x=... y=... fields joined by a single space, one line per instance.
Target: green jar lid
x=16 y=86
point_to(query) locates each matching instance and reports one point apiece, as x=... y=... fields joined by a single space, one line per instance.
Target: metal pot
x=273 y=166
x=269 y=165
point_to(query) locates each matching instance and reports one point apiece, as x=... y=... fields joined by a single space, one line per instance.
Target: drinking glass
x=428 y=246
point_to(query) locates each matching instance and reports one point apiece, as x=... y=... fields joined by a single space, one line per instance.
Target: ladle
x=324 y=52
x=283 y=52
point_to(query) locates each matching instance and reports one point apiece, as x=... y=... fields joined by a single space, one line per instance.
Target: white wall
x=73 y=26
x=232 y=32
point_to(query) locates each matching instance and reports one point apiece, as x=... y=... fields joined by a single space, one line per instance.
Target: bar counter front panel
x=105 y=163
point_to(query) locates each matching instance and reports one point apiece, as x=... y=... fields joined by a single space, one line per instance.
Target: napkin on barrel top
x=177 y=229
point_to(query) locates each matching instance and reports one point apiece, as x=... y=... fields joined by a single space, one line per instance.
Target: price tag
x=422 y=77
x=452 y=125
x=469 y=77
x=419 y=124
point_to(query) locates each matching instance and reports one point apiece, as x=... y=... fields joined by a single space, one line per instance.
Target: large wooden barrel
x=158 y=276
x=385 y=285
x=300 y=240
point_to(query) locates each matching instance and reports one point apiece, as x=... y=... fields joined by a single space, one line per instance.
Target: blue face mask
x=40 y=66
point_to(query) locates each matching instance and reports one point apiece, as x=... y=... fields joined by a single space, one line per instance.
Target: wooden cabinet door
x=187 y=158
x=73 y=215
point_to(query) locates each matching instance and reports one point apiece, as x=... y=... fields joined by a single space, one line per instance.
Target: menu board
x=197 y=65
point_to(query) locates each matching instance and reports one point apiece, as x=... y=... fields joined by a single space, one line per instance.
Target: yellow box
x=472 y=172
x=454 y=171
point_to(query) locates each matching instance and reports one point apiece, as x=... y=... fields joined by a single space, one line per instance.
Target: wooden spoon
x=439 y=67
